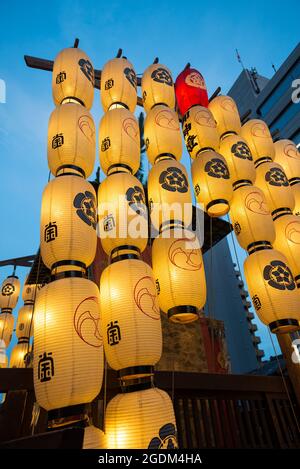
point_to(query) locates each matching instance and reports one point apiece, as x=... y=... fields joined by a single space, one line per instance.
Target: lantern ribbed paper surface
x=212 y=183
x=24 y=326
x=169 y=193
x=162 y=133
x=250 y=216
x=122 y=212
x=9 y=294
x=119 y=140
x=179 y=272
x=288 y=156
x=29 y=292
x=287 y=240
x=271 y=179
x=190 y=89
x=273 y=290
x=157 y=87
x=93 y=438
x=68 y=347
x=130 y=320
x=258 y=137
x=73 y=77
x=6 y=327
x=226 y=115
x=296 y=194
x=118 y=84
x=200 y=130
x=238 y=158
x=71 y=140
x=141 y=420
x=18 y=355
x=68 y=221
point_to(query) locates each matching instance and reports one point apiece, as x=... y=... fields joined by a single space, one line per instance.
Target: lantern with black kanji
x=118 y=85
x=9 y=294
x=157 y=87
x=24 y=327
x=226 y=115
x=71 y=140
x=258 y=137
x=190 y=90
x=73 y=78
x=199 y=130
x=238 y=158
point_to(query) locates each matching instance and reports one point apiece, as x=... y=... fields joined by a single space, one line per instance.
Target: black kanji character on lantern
x=161 y=75
x=167 y=438
x=241 y=150
x=276 y=177
x=105 y=144
x=279 y=276
x=86 y=208
x=60 y=77
x=45 y=367
x=136 y=198
x=186 y=129
x=109 y=84
x=190 y=143
x=109 y=223
x=217 y=168
x=8 y=289
x=113 y=333
x=51 y=232
x=57 y=141
x=237 y=228
x=87 y=69
x=256 y=302
x=131 y=76
x=174 y=180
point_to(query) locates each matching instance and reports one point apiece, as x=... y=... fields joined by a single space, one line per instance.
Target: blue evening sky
x=203 y=33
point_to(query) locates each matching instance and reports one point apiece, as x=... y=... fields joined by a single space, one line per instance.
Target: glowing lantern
x=141 y=420
x=212 y=183
x=226 y=115
x=296 y=193
x=119 y=141
x=29 y=292
x=3 y=356
x=238 y=158
x=6 y=327
x=19 y=354
x=71 y=140
x=251 y=218
x=273 y=290
x=9 y=294
x=179 y=272
x=93 y=438
x=257 y=135
x=68 y=224
x=162 y=133
x=68 y=347
x=169 y=193
x=73 y=78
x=288 y=156
x=157 y=87
x=130 y=316
x=200 y=130
x=118 y=84
x=190 y=90
x=24 y=326
x=122 y=212
x=287 y=240
x=271 y=179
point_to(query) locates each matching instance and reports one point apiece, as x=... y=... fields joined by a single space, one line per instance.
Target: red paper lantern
x=190 y=89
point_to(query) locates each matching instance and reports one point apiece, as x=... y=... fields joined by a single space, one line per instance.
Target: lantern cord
x=284 y=382
x=15 y=268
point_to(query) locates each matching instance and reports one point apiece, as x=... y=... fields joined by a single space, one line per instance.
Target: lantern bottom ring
x=183 y=314
x=283 y=326
x=134 y=372
x=217 y=208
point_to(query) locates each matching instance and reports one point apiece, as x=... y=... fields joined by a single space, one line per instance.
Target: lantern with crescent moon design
x=199 y=130
x=296 y=193
x=238 y=158
x=73 y=78
x=157 y=87
x=190 y=90
x=258 y=137
x=288 y=156
x=68 y=347
x=141 y=420
x=118 y=85
x=226 y=115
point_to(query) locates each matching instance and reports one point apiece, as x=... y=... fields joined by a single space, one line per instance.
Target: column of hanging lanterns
x=9 y=295
x=210 y=173
x=68 y=347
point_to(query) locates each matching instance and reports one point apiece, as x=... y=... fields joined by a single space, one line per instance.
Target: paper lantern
x=179 y=272
x=122 y=212
x=190 y=90
x=226 y=115
x=288 y=156
x=141 y=420
x=6 y=327
x=29 y=292
x=251 y=218
x=68 y=347
x=93 y=438
x=271 y=179
x=19 y=354
x=24 y=326
x=257 y=135
x=169 y=193
x=212 y=183
x=296 y=193
x=287 y=240
x=130 y=320
x=119 y=141
x=71 y=140
x=73 y=78
x=3 y=356
x=68 y=223
x=9 y=294
x=238 y=158
x=118 y=84
x=162 y=133
x=273 y=290
x=157 y=87
x=199 y=130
